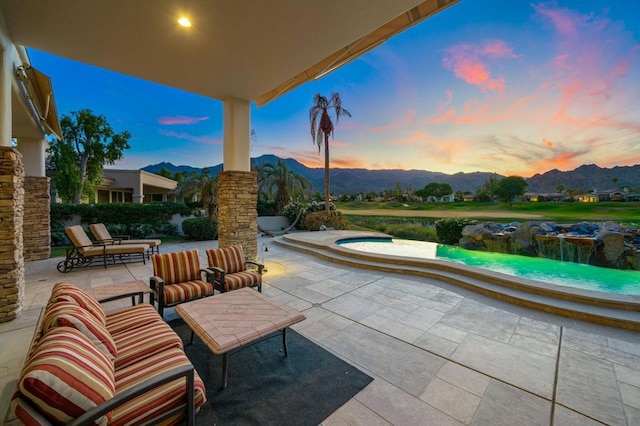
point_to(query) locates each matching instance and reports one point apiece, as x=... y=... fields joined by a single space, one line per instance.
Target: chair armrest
x=259 y=265
x=139 y=293
x=109 y=241
x=216 y=273
x=121 y=237
x=186 y=371
x=156 y=284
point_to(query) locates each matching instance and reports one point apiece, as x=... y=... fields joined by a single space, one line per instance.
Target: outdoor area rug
x=265 y=388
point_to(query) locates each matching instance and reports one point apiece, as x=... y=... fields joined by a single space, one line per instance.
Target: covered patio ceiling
x=254 y=50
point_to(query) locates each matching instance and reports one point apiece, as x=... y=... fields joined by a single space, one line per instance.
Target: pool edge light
x=183 y=21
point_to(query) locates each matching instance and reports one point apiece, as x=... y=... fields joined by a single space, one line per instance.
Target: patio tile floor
x=440 y=355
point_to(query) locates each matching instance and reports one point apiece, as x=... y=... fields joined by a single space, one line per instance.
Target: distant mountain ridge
x=352 y=181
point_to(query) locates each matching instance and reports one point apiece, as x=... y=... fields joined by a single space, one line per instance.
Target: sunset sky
x=508 y=86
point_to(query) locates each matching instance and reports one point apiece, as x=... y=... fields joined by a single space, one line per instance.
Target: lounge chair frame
x=85 y=253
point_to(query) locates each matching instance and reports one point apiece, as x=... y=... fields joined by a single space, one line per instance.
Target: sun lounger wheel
x=65 y=265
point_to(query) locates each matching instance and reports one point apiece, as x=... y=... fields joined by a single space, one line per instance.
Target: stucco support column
x=237 y=185
x=37 y=199
x=138 y=193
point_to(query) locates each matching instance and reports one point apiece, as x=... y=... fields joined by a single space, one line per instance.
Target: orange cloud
x=192 y=138
x=547 y=142
x=411 y=140
x=180 y=119
x=467 y=63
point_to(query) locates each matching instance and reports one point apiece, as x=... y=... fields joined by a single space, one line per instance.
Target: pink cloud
x=563 y=20
x=468 y=62
x=192 y=138
x=592 y=55
x=180 y=119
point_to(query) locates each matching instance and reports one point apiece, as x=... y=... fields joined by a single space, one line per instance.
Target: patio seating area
x=439 y=354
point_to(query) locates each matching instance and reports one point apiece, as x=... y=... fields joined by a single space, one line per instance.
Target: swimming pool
x=535 y=268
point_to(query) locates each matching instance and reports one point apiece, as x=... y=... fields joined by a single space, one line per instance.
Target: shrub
x=315 y=220
x=450 y=230
x=413 y=232
x=200 y=229
x=292 y=209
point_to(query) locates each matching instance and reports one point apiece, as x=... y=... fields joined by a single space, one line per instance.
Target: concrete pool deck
x=439 y=354
x=611 y=309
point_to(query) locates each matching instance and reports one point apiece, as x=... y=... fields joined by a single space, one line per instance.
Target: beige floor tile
x=451 y=400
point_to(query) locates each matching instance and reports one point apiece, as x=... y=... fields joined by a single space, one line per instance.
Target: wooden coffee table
x=237 y=318
x=107 y=293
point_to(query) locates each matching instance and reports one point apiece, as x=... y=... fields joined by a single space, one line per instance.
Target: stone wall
x=609 y=245
x=37 y=224
x=237 y=213
x=11 y=223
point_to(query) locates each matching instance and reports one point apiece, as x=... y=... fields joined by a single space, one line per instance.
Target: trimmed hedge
x=136 y=220
x=200 y=229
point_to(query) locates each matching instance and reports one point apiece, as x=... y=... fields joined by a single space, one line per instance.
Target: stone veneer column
x=237 y=211
x=37 y=222
x=11 y=223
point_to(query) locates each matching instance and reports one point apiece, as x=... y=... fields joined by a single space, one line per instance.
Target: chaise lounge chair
x=84 y=251
x=102 y=235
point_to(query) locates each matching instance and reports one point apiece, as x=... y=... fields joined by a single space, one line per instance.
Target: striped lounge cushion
x=229 y=259
x=177 y=267
x=130 y=318
x=242 y=279
x=67 y=314
x=64 y=377
x=71 y=293
x=149 y=405
x=190 y=290
x=142 y=342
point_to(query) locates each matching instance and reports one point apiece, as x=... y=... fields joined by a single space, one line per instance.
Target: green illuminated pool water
x=535 y=268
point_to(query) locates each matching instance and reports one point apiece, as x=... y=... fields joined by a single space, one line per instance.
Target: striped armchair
x=177 y=278
x=230 y=272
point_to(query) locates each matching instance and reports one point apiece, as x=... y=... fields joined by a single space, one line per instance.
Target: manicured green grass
x=561 y=212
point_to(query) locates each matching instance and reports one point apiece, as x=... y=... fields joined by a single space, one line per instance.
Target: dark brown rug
x=266 y=388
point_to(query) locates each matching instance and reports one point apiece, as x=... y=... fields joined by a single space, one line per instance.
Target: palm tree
x=201 y=187
x=286 y=183
x=321 y=128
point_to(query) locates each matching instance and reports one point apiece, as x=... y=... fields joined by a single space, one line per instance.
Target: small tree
x=487 y=190
x=88 y=143
x=435 y=190
x=510 y=187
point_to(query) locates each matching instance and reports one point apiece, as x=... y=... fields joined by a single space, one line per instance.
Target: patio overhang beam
x=358 y=48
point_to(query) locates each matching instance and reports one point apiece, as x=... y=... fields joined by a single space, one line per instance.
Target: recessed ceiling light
x=184 y=21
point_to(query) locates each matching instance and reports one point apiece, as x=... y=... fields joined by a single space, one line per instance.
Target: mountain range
x=352 y=181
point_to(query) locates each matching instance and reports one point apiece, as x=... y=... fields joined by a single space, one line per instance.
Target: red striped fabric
x=71 y=293
x=131 y=318
x=66 y=376
x=229 y=259
x=156 y=401
x=67 y=314
x=143 y=342
x=176 y=293
x=242 y=279
x=177 y=267
x=28 y=415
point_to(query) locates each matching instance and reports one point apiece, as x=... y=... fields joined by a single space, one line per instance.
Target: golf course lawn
x=546 y=211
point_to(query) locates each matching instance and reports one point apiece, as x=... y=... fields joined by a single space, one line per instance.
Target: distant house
x=588 y=198
x=542 y=196
x=134 y=186
x=125 y=186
